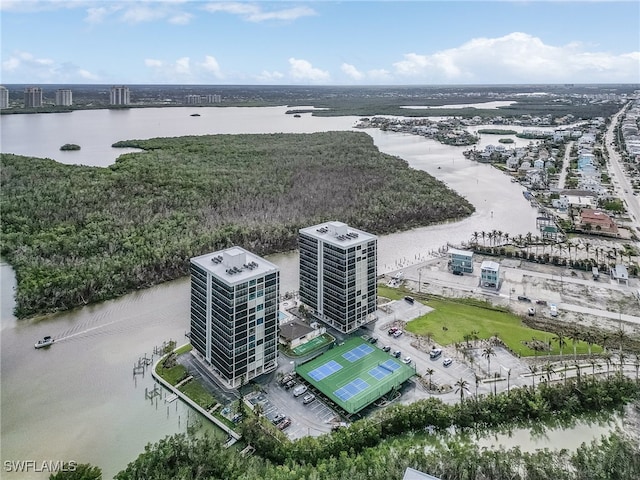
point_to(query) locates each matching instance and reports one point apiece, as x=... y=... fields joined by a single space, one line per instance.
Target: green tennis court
x=355 y=374
x=314 y=343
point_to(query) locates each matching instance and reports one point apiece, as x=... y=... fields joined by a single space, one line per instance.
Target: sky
x=348 y=42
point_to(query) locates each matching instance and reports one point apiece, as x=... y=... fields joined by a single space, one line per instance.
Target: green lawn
x=452 y=319
x=196 y=392
x=172 y=375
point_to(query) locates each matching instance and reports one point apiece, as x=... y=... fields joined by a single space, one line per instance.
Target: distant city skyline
x=319 y=42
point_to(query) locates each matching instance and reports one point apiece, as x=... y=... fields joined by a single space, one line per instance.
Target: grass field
x=355 y=380
x=454 y=319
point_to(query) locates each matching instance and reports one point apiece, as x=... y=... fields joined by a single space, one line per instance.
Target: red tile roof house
x=597 y=221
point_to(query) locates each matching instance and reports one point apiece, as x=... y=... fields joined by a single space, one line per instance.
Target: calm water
x=78 y=400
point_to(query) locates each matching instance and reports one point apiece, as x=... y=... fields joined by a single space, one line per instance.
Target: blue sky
x=350 y=42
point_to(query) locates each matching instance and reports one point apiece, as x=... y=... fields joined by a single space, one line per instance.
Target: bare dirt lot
x=580 y=300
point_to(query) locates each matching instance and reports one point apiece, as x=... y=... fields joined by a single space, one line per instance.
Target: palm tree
x=487 y=353
x=430 y=372
x=594 y=363
x=578 y=371
x=622 y=357
x=621 y=336
x=475 y=236
x=590 y=338
x=506 y=238
x=461 y=385
x=533 y=369
x=607 y=358
x=574 y=336
x=561 y=341
x=483 y=234
x=548 y=370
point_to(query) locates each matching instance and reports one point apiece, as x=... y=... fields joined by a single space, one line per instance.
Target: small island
x=70 y=146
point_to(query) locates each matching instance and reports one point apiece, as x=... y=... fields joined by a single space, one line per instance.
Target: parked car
x=299 y=390
x=237 y=417
x=447 y=361
x=522 y=298
x=541 y=302
x=308 y=398
x=286 y=379
x=290 y=384
x=435 y=353
x=386 y=348
x=284 y=423
x=457 y=272
x=531 y=311
x=278 y=418
x=373 y=340
x=392 y=330
x=397 y=333
x=407 y=360
x=397 y=354
x=409 y=299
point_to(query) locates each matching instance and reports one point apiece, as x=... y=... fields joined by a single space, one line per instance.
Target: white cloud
x=351 y=71
x=183 y=70
x=253 y=12
x=97 y=14
x=211 y=65
x=302 y=70
x=21 y=65
x=152 y=62
x=517 y=58
x=269 y=77
x=87 y=75
x=181 y=18
x=143 y=13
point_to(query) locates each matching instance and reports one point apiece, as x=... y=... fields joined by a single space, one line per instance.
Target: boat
x=45 y=342
x=296 y=116
x=195 y=114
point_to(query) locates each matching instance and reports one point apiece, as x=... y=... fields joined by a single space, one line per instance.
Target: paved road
x=565 y=165
x=616 y=168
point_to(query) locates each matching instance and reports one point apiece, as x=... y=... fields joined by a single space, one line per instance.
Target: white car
x=447 y=361
x=299 y=390
x=397 y=333
x=407 y=360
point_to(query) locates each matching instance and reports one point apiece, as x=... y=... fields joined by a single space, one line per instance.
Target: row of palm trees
x=499 y=238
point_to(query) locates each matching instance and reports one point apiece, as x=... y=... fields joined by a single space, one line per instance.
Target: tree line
x=77 y=234
x=383 y=446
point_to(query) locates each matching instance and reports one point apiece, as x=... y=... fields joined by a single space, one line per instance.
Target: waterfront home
x=598 y=221
x=490 y=275
x=619 y=273
x=460 y=260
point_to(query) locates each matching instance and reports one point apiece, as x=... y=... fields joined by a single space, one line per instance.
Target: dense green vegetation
x=77 y=234
x=383 y=446
x=69 y=146
x=497 y=131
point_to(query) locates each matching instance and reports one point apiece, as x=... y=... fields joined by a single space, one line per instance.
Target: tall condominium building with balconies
x=4 y=97
x=64 y=97
x=338 y=269
x=234 y=313
x=33 y=97
x=119 y=95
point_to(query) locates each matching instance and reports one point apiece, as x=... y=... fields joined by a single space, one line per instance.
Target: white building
x=119 y=95
x=64 y=97
x=338 y=268
x=32 y=97
x=490 y=274
x=234 y=313
x=4 y=97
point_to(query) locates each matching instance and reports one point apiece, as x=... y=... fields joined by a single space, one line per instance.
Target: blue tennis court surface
x=357 y=353
x=384 y=369
x=350 y=389
x=323 y=371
